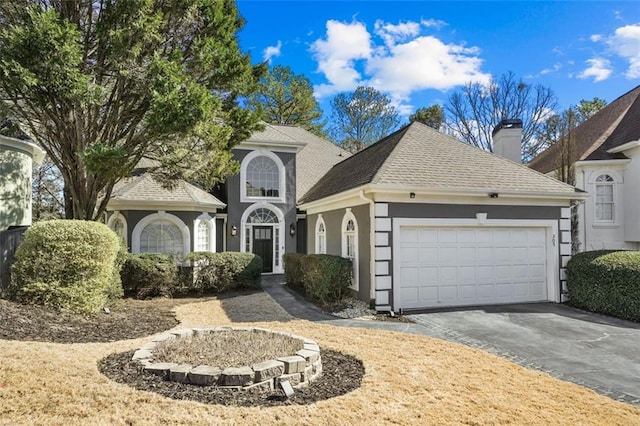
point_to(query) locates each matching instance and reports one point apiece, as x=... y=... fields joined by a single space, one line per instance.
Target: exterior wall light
x=493 y=195
x=412 y=195
x=234 y=230
x=292 y=229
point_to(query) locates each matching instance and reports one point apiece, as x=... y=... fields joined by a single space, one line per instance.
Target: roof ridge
x=393 y=154
x=606 y=133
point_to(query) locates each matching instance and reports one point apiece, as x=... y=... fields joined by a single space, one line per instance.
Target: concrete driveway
x=595 y=351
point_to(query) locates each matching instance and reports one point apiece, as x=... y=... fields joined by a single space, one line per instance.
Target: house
x=607 y=153
x=278 y=165
x=17 y=158
x=427 y=220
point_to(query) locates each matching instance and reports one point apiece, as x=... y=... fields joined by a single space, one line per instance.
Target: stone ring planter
x=299 y=369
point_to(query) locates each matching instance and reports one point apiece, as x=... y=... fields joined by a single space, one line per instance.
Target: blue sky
x=419 y=52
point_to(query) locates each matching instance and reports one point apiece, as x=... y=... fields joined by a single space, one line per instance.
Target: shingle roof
x=144 y=189
x=314 y=160
x=612 y=126
x=271 y=133
x=419 y=157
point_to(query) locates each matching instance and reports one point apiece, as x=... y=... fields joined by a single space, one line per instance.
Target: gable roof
x=419 y=157
x=612 y=126
x=143 y=191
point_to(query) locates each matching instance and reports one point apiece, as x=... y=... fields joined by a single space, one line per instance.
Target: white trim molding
x=321 y=233
x=118 y=216
x=211 y=224
x=277 y=266
x=282 y=177
x=161 y=215
x=349 y=216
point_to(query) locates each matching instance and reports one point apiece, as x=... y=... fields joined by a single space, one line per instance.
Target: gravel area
x=352 y=308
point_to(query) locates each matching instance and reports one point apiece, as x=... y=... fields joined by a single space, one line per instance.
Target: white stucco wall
x=16 y=161
x=596 y=235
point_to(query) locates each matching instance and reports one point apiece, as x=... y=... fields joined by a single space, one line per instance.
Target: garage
x=446 y=266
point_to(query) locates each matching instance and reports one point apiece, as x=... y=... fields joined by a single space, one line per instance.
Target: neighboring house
x=17 y=158
x=607 y=153
x=427 y=220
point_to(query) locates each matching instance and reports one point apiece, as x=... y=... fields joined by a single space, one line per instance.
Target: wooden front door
x=263 y=246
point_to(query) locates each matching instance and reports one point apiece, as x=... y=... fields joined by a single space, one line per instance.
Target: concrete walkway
x=594 y=351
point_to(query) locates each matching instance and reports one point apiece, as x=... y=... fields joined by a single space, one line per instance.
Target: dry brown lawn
x=409 y=380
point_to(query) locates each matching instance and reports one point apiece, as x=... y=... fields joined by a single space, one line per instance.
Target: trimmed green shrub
x=326 y=277
x=149 y=275
x=69 y=265
x=219 y=272
x=292 y=269
x=606 y=282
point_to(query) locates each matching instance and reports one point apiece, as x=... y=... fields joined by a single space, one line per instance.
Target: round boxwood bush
x=149 y=275
x=219 y=272
x=606 y=282
x=68 y=265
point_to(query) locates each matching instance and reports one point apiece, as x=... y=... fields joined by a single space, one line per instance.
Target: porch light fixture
x=412 y=195
x=493 y=195
x=292 y=229
x=234 y=230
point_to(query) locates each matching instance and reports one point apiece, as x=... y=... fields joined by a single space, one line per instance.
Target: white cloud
x=391 y=34
x=599 y=69
x=399 y=61
x=625 y=42
x=433 y=23
x=336 y=55
x=554 y=68
x=272 y=51
x=595 y=37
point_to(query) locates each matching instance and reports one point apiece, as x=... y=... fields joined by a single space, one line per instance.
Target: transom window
x=161 y=236
x=262 y=215
x=604 y=199
x=321 y=236
x=263 y=178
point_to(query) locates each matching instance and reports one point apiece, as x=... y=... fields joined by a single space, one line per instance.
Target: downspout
x=372 y=244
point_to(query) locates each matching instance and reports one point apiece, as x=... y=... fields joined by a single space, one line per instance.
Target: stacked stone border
x=300 y=369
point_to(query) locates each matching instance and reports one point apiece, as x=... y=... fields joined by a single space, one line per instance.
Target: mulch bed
x=340 y=374
x=129 y=320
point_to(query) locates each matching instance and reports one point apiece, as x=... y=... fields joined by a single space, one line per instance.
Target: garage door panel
x=455 y=266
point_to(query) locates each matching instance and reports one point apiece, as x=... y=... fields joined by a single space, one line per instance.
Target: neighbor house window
x=161 y=236
x=321 y=236
x=350 y=242
x=604 y=199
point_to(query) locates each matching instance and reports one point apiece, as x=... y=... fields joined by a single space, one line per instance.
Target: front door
x=263 y=246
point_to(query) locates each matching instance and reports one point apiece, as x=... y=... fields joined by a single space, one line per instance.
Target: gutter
x=372 y=243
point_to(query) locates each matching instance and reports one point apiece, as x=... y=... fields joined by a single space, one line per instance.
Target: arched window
x=604 y=199
x=161 y=236
x=118 y=224
x=350 y=242
x=204 y=228
x=262 y=177
x=262 y=215
x=321 y=236
x=161 y=233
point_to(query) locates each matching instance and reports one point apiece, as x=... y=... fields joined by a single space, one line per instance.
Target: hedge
x=68 y=265
x=606 y=282
x=149 y=275
x=293 y=269
x=218 y=272
x=326 y=278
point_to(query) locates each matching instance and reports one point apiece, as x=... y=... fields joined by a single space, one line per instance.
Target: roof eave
x=624 y=147
x=163 y=205
x=479 y=192
x=282 y=146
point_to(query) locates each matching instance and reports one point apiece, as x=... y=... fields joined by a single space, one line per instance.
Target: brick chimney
x=507 y=139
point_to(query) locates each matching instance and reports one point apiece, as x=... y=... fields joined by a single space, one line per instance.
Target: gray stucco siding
x=455 y=211
x=333 y=226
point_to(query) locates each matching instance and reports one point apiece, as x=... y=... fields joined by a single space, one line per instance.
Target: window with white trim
x=204 y=232
x=263 y=178
x=350 y=242
x=119 y=226
x=321 y=236
x=604 y=199
x=162 y=236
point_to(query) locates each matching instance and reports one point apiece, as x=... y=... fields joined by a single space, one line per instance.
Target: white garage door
x=458 y=266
